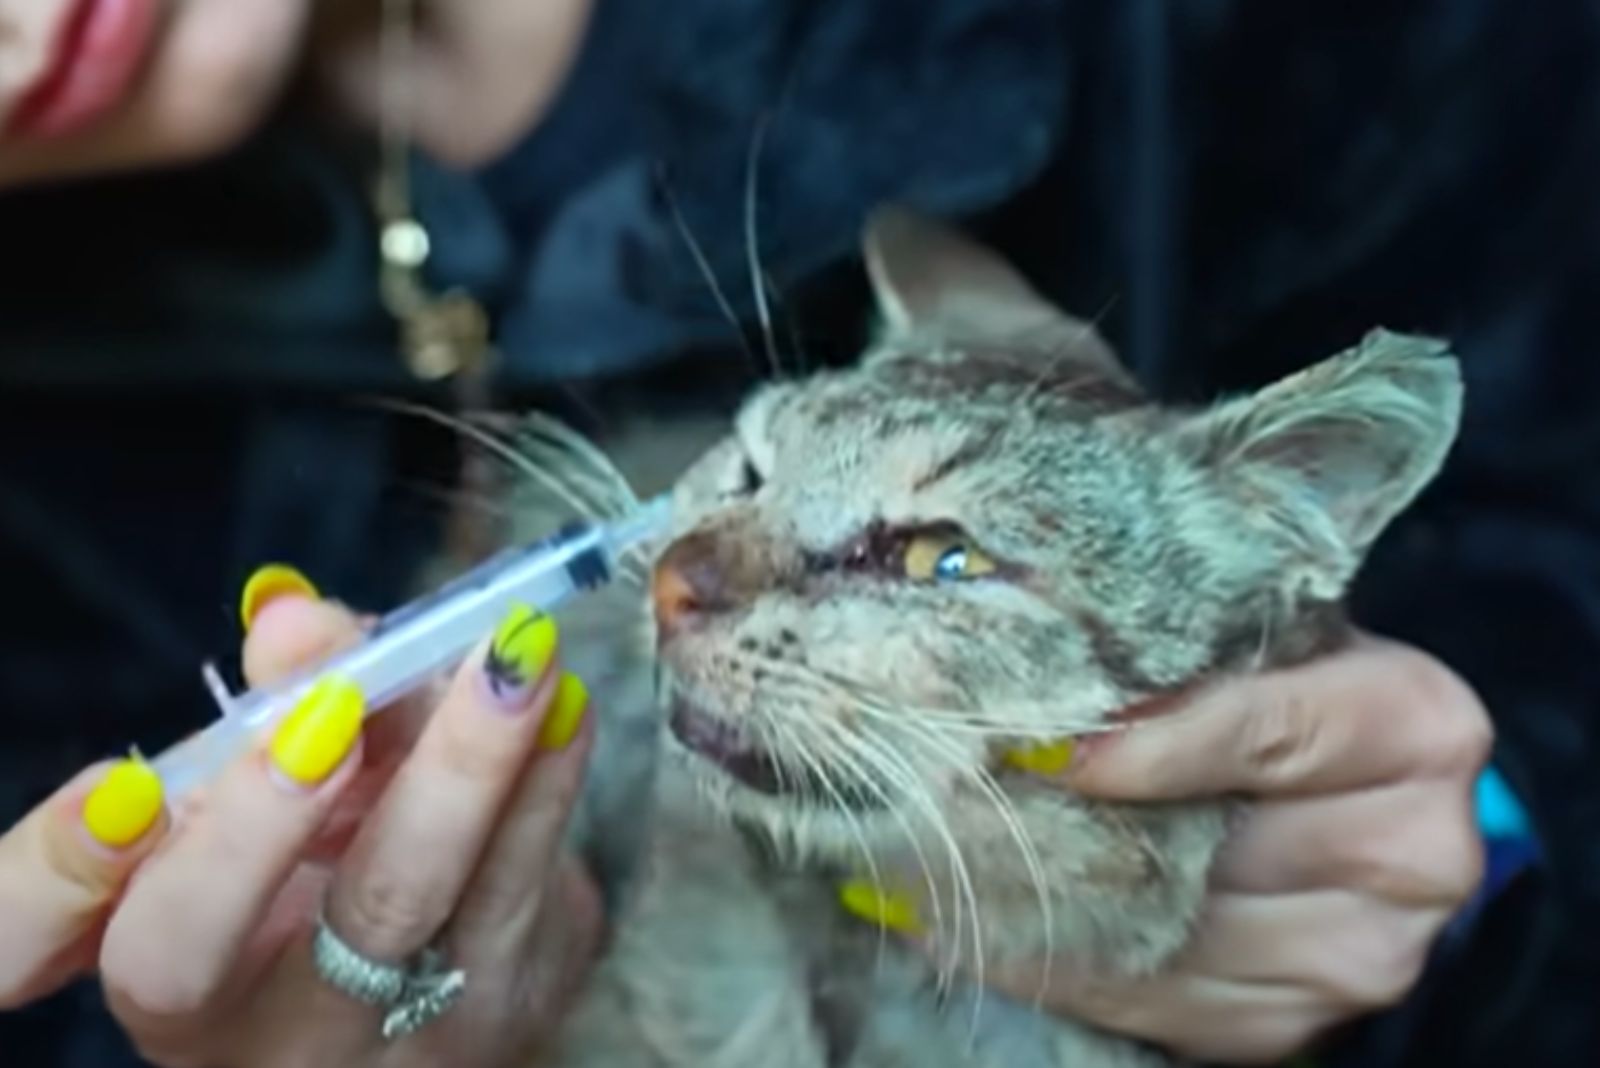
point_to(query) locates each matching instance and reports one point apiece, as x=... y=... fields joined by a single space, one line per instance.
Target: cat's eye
x=944 y=557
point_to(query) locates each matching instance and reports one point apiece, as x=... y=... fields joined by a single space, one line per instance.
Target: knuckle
x=1380 y=967
x=1281 y=741
x=390 y=909
x=1465 y=871
x=1437 y=859
x=1459 y=732
x=144 y=996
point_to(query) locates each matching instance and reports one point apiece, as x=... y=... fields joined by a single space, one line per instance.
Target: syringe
x=413 y=643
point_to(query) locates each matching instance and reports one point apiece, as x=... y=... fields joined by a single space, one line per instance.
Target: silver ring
x=414 y=994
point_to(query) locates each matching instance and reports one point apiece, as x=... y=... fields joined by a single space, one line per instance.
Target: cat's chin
x=724 y=751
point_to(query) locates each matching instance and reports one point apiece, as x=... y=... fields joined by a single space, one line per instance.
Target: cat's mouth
x=721 y=743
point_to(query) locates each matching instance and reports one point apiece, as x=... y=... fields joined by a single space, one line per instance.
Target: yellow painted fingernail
x=1050 y=759
x=320 y=732
x=124 y=805
x=565 y=716
x=523 y=646
x=269 y=583
x=885 y=908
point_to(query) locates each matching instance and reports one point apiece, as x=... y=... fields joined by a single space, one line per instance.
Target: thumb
x=61 y=868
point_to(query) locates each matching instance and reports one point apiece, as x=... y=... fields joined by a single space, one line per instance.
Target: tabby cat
x=886 y=579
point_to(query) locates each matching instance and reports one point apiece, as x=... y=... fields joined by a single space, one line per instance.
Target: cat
x=983 y=536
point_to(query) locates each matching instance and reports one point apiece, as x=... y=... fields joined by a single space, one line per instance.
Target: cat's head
x=986 y=534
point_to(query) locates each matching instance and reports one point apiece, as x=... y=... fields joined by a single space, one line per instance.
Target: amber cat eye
x=944 y=556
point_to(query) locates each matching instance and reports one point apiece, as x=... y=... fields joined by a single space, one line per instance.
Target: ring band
x=415 y=994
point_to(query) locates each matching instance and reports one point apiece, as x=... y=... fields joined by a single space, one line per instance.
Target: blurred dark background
x=1237 y=187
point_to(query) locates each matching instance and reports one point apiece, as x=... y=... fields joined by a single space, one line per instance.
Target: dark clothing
x=1238 y=186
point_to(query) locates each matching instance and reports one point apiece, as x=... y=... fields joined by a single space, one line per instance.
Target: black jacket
x=1239 y=186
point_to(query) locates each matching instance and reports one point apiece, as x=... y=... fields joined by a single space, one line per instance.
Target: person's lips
x=100 y=47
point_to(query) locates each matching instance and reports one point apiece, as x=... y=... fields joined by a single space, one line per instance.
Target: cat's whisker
x=991 y=723
x=559 y=464
x=1066 y=350
x=985 y=782
x=494 y=445
x=752 y=244
x=958 y=863
x=906 y=782
x=893 y=768
x=961 y=764
x=844 y=755
x=909 y=723
x=795 y=745
x=703 y=264
x=563 y=436
x=797 y=348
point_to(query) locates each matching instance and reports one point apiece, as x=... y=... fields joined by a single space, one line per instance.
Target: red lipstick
x=100 y=48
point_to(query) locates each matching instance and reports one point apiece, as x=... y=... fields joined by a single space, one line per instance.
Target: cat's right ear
x=936 y=286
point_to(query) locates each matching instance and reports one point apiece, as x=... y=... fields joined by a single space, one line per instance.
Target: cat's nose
x=690 y=583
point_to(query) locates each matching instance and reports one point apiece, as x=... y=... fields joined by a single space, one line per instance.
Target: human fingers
x=512 y=885
x=62 y=867
x=1271 y=970
x=1412 y=843
x=562 y=947
x=1376 y=712
x=1199 y=1018
x=403 y=876
x=288 y=624
x=289 y=627
x=174 y=942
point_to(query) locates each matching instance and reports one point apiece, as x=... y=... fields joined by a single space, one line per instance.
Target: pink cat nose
x=689 y=583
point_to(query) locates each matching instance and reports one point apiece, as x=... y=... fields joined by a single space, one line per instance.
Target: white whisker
x=752 y=245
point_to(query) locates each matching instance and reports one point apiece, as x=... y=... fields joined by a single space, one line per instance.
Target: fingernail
x=885 y=908
x=565 y=716
x=267 y=584
x=523 y=646
x=319 y=733
x=1051 y=758
x=124 y=805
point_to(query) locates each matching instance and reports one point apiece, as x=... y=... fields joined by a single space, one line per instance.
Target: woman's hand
x=1359 y=847
x=438 y=831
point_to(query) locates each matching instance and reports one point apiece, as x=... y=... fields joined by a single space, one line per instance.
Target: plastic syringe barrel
x=424 y=637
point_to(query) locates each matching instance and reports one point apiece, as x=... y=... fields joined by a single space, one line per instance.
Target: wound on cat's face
x=986 y=534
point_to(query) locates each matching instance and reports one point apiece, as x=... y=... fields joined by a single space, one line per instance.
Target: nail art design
x=124 y=805
x=1052 y=758
x=523 y=646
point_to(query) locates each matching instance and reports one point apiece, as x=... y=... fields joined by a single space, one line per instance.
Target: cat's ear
x=934 y=284
x=1332 y=454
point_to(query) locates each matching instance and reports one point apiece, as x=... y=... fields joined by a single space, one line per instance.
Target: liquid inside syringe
x=414 y=643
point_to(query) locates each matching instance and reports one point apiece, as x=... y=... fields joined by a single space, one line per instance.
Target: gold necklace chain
x=442 y=334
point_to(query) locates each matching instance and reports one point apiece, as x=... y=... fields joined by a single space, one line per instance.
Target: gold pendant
x=447 y=335
x=440 y=335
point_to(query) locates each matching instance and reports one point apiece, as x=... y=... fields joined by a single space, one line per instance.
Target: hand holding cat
x=417 y=832
x=1359 y=846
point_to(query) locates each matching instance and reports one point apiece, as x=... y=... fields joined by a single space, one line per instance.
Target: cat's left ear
x=1330 y=456
x=935 y=285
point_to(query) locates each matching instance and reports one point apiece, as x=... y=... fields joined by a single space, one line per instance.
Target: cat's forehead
x=854 y=448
